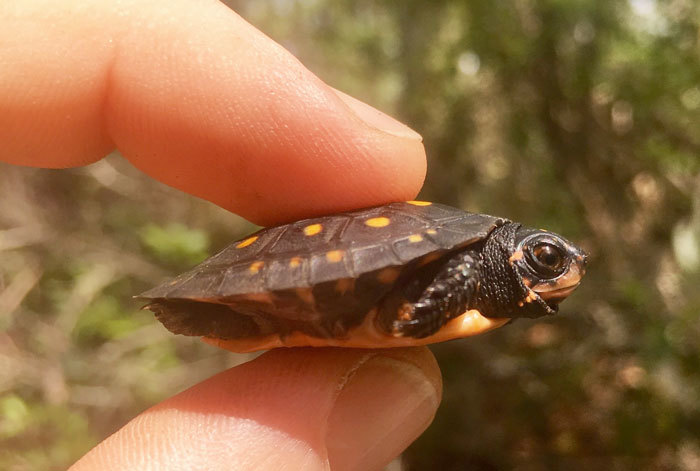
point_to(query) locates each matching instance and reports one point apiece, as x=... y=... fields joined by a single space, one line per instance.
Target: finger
x=288 y=409
x=197 y=98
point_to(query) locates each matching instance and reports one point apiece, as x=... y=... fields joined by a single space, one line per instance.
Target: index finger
x=197 y=98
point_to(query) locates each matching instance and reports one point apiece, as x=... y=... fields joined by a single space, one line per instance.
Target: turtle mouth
x=556 y=296
x=555 y=291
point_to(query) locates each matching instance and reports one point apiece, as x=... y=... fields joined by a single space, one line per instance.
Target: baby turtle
x=402 y=274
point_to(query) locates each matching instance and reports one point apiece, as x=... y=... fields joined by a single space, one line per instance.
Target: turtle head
x=528 y=272
x=549 y=265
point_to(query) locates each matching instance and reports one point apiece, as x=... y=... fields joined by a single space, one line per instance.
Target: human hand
x=197 y=98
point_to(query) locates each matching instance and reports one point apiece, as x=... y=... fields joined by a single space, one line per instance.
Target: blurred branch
x=15 y=292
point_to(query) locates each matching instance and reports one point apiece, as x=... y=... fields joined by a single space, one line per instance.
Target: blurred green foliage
x=175 y=243
x=579 y=116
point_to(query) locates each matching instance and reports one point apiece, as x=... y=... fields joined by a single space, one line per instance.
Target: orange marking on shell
x=343 y=285
x=419 y=203
x=388 y=275
x=255 y=267
x=313 y=229
x=295 y=262
x=305 y=294
x=246 y=242
x=378 y=222
x=334 y=256
x=415 y=238
x=266 y=298
x=431 y=257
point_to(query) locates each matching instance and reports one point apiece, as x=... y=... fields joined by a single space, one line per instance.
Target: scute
x=364 y=249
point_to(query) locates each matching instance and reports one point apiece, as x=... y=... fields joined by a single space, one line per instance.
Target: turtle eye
x=547 y=259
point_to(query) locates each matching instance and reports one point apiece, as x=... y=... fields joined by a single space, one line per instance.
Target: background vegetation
x=580 y=116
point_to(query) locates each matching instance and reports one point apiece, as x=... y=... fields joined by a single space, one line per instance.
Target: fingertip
x=299 y=408
x=376 y=119
x=199 y=99
x=234 y=118
x=385 y=405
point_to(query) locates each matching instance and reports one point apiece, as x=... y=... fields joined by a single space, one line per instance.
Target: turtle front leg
x=431 y=297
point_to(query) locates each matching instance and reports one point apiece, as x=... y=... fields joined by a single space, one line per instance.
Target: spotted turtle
x=401 y=274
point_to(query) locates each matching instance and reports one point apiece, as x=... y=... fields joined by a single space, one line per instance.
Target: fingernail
x=385 y=405
x=376 y=118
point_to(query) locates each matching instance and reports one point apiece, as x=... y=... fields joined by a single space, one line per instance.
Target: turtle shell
x=319 y=276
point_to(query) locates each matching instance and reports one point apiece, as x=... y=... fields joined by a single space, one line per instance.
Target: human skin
x=197 y=98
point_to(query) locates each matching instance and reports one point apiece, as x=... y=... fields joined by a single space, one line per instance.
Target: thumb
x=305 y=409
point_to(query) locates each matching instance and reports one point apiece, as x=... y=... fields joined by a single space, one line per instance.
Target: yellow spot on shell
x=246 y=242
x=431 y=231
x=255 y=267
x=419 y=203
x=334 y=256
x=415 y=238
x=312 y=229
x=388 y=275
x=377 y=222
x=294 y=262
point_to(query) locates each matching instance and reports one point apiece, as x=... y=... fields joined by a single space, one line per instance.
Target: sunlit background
x=580 y=116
